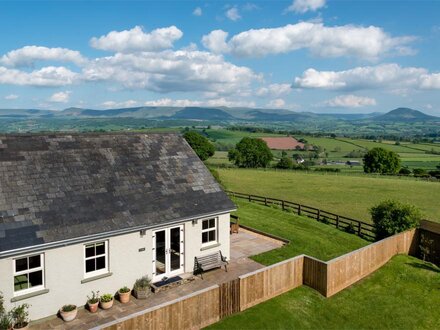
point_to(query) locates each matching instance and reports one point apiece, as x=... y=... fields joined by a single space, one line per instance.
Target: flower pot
x=106 y=305
x=68 y=316
x=142 y=293
x=23 y=327
x=124 y=297
x=93 y=308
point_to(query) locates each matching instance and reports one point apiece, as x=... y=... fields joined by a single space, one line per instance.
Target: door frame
x=168 y=273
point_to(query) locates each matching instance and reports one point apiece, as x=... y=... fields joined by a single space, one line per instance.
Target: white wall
x=64 y=268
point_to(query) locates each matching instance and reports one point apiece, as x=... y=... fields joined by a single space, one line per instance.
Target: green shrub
x=285 y=163
x=6 y=321
x=200 y=144
x=20 y=316
x=250 y=153
x=350 y=228
x=142 y=283
x=420 y=173
x=124 y=289
x=107 y=297
x=68 y=308
x=391 y=217
x=380 y=160
x=2 y=307
x=404 y=171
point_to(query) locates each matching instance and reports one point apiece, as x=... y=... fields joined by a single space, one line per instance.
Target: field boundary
x=350 y=225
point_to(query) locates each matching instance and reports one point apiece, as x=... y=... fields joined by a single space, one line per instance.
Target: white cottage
x=87 y=212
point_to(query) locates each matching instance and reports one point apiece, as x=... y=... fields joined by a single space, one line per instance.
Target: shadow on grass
x=425 y=265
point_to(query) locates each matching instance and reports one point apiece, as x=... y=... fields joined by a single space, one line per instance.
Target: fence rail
x=360 y=228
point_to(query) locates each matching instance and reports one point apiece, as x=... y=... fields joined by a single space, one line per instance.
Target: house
x=83 y=212
x=283 y=143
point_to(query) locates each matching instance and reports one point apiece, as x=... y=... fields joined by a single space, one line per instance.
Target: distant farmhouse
x=283 y=143
x=86 y=211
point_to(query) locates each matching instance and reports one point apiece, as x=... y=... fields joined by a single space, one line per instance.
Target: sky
x=303 y=55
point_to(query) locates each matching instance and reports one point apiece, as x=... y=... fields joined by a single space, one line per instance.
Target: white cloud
x=346 y=40
x=233 y=14
x=138 y=40
x=11 y=97
x=276 y=104
x=124 y=104
x=303 y=6
x=28 y=55
x=60 y=97
x=274 y=90
x=49 y=76
x=198 y=11
x=384 y=76
x=220 y=102
x=350 y=101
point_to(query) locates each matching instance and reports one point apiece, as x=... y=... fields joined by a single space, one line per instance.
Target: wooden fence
x=360 y=228
x=212 y=304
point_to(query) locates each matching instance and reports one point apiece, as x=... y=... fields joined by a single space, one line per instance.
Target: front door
x=167 y=252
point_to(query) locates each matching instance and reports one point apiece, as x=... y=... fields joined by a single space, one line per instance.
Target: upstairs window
x=209 y=231
x=96 y=258
x=29 y=274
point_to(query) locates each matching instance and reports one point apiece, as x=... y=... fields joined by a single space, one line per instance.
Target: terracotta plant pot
x=106 y=305
x=93 y=308
x=68 y=316
x=22 y=328
x=124 y=297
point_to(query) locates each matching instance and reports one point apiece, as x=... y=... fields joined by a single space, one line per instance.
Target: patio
x=243 y=245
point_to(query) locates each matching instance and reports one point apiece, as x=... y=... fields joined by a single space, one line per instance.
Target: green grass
x=403 y=294
x=306 y=236
x=347 y=195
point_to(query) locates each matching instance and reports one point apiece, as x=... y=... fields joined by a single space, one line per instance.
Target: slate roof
x=59 y=187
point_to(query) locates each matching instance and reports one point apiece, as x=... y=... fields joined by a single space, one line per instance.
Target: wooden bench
x=209 y=261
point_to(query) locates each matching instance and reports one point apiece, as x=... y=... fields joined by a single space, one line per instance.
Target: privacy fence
x=360 y=228
x=212 y=304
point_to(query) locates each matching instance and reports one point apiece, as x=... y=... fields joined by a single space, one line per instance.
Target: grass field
x=306 y=236
x=347 y=195
x=403 y=294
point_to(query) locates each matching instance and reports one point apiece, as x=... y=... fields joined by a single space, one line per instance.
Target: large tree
x=380 y=160
x=201 y=145
x=251 y=152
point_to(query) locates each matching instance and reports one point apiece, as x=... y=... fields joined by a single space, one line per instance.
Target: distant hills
x=222 y=114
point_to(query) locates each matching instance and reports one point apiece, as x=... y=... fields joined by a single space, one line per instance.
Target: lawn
x=347 y=195
x=403 y=294
x=306 y=236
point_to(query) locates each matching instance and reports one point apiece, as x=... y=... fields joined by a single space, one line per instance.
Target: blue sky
x=303 y=55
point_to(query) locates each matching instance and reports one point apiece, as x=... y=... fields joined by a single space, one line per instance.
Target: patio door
x=167 y=252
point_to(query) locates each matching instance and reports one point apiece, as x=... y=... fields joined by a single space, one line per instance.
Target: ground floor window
x=29 y=274
x=209 y=231
x=96 y=258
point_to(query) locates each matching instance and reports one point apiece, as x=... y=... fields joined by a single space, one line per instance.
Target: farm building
x=283 y=143
x=86 y=211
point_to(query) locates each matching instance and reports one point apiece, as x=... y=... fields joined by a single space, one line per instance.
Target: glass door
x=167 y=252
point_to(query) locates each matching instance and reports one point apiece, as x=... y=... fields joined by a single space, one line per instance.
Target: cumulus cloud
x=28 y=55
x=198 y=11
x=123 y=104
x=60 y=97
x=138 y=40
x=199 y=103
x=303 y=6
x=49 y=76
x=350 y=101
x=11 y=97
x=348 y=40
x=276 y=104
x=274 y=90
x=233 y=14
x=385 y=76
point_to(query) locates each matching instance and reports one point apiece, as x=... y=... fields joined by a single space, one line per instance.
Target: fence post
x=337 y=221
x=299 y=209
x=359 y=228
x=250 y=198
x=265 y=201
x=318 y=215
x=282 y=204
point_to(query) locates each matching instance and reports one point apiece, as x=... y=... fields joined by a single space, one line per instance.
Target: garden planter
x=142 y=293
x=68 y=316
x=124 y=297
x=93 y=308
x=22 y=327
x=106 y=305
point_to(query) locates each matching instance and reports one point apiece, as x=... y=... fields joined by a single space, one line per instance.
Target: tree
x=250 y=152
x=380 y=160
x=391 y=217
x=201 y=145
x=285 y=163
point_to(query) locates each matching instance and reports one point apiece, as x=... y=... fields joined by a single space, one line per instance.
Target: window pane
x=212 y=223
x=205 y=224
x=34 y=261
x=35 y=278
x=90 y=250
x=205 y=237
x=100 y=248
x=90 y=265
x=211 y=235
x=100 y=263
x=20 y=282
x=21 y=264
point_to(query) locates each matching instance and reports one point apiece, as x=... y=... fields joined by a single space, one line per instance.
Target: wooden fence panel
x=315 y=274
x=271 y=281
x=229 y=298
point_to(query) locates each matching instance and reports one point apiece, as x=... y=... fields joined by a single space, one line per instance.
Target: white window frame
x=105 y=270
x=215 y=228
x=28 y=271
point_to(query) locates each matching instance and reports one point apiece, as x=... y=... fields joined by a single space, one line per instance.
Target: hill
x=405 y=115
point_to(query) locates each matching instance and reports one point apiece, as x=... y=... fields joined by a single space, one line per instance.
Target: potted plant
x=124 y=295
x=93 y=302
x=20 y=316
x=5 y=321
x=106 y=301
x=142 y=287
x=68 y=312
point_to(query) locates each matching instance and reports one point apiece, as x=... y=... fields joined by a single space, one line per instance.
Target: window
x=29 y=274
x=96 y=258
x=209 y=231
